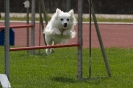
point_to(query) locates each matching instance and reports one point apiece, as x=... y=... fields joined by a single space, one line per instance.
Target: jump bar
x=18 y=26
x=43 y=47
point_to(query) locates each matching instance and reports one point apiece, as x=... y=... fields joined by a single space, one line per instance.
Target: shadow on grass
x=94 y=80
x=64 y=80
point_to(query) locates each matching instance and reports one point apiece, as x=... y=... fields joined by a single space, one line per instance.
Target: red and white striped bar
x=43 y=47
x=18 y=26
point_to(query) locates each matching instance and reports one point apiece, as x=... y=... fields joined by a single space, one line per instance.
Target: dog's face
x=65 y=19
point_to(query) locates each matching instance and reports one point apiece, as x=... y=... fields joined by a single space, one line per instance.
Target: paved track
x=113 y=35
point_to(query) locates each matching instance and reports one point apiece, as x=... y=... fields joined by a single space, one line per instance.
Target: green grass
x=59 y=70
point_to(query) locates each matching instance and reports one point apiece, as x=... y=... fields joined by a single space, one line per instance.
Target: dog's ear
x=58 y=11
x=71 y=12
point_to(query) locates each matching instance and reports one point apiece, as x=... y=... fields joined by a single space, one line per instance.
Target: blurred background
x=101 y=6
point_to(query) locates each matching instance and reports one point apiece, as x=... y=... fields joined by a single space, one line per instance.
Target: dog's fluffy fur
x=60 y=28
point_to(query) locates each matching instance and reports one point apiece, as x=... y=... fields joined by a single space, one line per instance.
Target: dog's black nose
x=65 y=24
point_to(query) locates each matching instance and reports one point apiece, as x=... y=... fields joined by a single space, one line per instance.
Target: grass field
x=59 y=70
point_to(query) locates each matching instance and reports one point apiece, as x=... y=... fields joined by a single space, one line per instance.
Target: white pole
x=7 y=46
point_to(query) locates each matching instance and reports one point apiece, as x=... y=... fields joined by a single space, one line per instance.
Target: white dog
x=60 y=28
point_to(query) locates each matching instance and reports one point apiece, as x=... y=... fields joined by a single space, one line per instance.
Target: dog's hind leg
x=52 y=50
x=49 y=51
x=49 y=42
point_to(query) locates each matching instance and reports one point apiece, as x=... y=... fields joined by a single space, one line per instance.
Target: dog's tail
x=44 y=37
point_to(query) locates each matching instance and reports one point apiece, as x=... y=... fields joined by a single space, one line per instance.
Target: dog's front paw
x=57 y=32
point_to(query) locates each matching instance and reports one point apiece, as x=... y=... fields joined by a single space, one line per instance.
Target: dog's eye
x=67 y=19
x=61 y=19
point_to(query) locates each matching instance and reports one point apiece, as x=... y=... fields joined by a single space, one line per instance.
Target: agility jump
x=44 y=47
x=79 y=44
x=17 y=26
